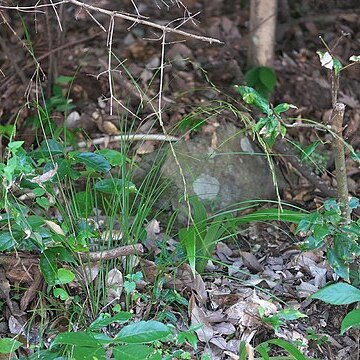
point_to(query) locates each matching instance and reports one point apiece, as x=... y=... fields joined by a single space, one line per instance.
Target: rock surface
x=233 y=171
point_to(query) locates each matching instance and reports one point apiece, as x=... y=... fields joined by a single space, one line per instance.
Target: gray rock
x=236 y=170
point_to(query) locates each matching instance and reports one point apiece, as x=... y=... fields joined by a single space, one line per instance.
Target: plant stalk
x=337 y=119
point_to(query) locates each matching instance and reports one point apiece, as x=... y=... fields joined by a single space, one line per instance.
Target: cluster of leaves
x=32 y=183
x=327 y=228
x=270 y=124
x=142 y=340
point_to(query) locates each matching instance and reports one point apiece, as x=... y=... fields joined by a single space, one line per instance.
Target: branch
x=137 y=20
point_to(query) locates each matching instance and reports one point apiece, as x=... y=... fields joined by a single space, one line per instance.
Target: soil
x=195 y=75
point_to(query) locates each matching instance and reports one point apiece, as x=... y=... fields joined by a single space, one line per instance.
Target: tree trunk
x=262 y=32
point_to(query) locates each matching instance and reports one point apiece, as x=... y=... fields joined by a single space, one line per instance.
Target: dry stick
x=340 y=165
x=113 y=253
x=129 y=137
x=136 y=20
x=12 y=261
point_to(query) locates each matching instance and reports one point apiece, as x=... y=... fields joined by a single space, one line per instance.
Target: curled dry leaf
x=54 y=227
x=197 y=316
x=114 y=284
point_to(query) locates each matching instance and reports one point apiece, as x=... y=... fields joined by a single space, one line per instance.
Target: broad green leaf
x=353 y=203
x=252 y=97
x=60 y=293
x=64 y=80
x=47 y=148
x=268 y=77
x=88 y=353
x=93 y=161
x=43 y=202
x=132 y=352
x=115 y=185
x=283 y=107
x=104 y=320
x=64 y=276
x=351 y=320
x=290 y=314
x=337 y=263
x=114 y=157
x=81 y=339
x=9 y=345
x=14 y=145
x=45 y=355
x=338 y=294
x=290 y=348
x=143 y=332
x=7 y=241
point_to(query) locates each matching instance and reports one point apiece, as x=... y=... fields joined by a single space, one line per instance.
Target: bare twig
x=138 y=20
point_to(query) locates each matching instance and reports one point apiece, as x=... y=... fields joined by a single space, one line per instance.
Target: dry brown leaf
x=251 y=262
x=54 y=227
x=147 y=147
x=197 y=316
x=114 y=284
x=109 y=128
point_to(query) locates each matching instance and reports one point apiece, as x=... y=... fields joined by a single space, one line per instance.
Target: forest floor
x=265 y=268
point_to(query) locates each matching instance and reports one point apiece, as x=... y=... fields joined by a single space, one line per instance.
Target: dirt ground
x=196 y=73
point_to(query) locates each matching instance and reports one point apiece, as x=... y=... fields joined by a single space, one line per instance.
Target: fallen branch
x=113 y=253
x=10 y=260
x=129 y=137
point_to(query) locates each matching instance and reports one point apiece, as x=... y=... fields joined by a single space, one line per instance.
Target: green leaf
x=115 y=158
x=290 y=314
x=43 y=202
x=64 y=80
x=353 y=203
x=132 y=352
x=338 y=264
x=308 y=150
x=187 y=238
x=268 y=77
x=290 y=348
x=269 y=215
x=84 y=203
x=338 y=294
x=337 y=65
x=60 y=293
x=143 y=332
x=88 y=353
x=47 y=148
x=105 y=319
x=114 y=185
x=64 y=276
x=14 y=145
x=351 y=320
x=283 y=107
x=7 y=241
x=93 y=161
x=9 y=345
x=81 y=339
x=252 y=97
